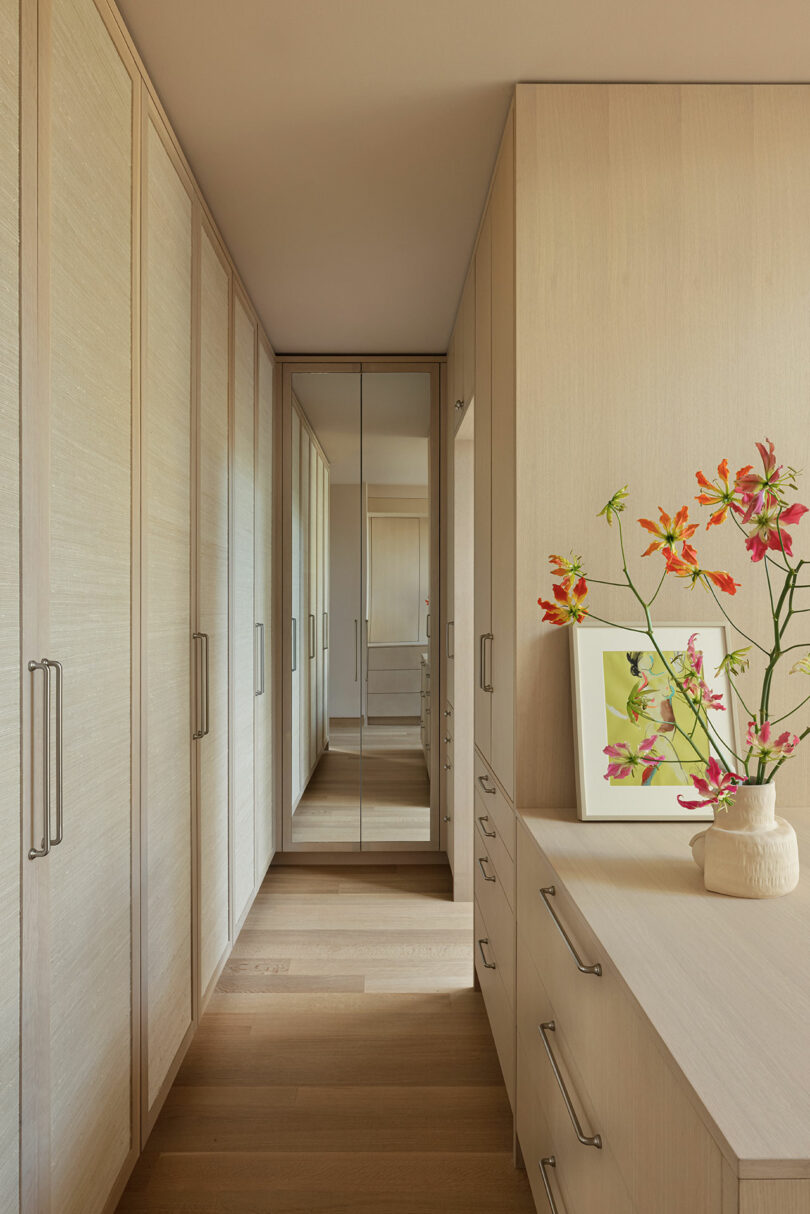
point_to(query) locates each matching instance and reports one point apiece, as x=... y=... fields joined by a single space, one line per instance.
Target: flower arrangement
x=756 y=502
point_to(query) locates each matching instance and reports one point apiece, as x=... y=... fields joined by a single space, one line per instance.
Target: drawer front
x=578 y=1185
x=666 y=1155
x=488 y=837
x=493 y=802
x=500 y=1007
x=587 y=1177
x=499 y=916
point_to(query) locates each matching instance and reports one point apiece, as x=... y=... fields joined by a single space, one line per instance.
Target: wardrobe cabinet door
x=325 y=623
x=482 y=607
x=501 y=672
x=467 y=319
x=242 y=609
x=303 y=625
x=297 y=614
x=320 y=653
x=166 y=727
x=212 y=604
x=312 y=640
x=86 y=222
x=265 y=845
x=9 y=608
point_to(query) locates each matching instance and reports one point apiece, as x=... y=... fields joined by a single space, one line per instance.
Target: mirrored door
x=359 y=566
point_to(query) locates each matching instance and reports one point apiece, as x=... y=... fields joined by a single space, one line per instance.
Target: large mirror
x=362 y=559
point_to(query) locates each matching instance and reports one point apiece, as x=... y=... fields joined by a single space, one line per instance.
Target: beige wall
x=663 y=322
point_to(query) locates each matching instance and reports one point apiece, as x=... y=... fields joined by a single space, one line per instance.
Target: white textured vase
x=748 y=852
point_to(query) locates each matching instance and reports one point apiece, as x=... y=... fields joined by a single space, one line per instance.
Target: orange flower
x=669 y=531
x=686 y=565
x=567 y=566
x=721 y=493
x=569 y=607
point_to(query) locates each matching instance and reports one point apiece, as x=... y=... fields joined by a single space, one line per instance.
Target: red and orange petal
x=723 y=581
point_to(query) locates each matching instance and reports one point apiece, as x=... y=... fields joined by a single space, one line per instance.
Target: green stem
x=756 y=644
x=785 y=715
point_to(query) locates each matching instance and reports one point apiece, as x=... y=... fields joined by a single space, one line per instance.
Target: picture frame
x=606 y=663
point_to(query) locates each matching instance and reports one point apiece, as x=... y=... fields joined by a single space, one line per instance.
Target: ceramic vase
x=749 y=852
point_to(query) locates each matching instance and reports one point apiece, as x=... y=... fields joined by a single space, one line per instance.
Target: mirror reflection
x=361 y=685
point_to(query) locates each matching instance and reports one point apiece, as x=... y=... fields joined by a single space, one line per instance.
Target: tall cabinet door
x=212 y=603
x=243 y=640
x=501 y=669
x=263 y=724
x=483 y=488
x=325 y=625
x=166 y=622
x=297 y=630
x=312 y=652
x=79 y=947
x=305 y=629
x=9 y=607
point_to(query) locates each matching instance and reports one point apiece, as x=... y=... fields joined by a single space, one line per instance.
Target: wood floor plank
x=344 y=1065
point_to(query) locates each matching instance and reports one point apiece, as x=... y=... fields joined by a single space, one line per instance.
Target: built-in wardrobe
x=136 y=677
x=310 y=598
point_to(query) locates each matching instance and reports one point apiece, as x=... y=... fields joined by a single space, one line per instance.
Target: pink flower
x=762 y=490
x=769 y=529
x=761 y=747
x=692 y=679
x=626 y=760
x=717 y=788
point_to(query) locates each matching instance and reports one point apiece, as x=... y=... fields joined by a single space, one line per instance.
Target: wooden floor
x=385 y=797
x=345 y=1065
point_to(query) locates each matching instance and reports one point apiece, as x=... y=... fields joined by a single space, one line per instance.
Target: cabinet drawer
x=488 y=837
x=499 y=916
x=499 y=1005
x=666 y=1155
x=495 y=804
x=583 y=1180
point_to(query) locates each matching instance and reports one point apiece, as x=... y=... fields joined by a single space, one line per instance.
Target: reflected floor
x=396 y=789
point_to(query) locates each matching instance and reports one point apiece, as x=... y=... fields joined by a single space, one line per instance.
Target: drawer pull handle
x=545 y=1164
x=490 y=965
x=592 y=1140
x=490 y=834
x=548 y=892
x=482 y=780
x=482 y=860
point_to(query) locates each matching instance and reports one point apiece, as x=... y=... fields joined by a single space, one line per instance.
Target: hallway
x=344 y=1064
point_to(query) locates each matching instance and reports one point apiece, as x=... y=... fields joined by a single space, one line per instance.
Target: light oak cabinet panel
x=212 y=602
x=86 y=195
x=243 y=636
x=263 y=743
x=9 y=607
x=482 y=608
x=166 y=608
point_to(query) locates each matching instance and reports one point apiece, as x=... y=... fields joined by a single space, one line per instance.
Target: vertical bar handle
x=427 y=625
x=549 y=1162
x=326 y=630
x=207 y=725
x=199 y=731
x=311 y=635
x=485 y=683
x=294 y=644
x=50 y=664
x=490 y=965
x=34 y=852
x=356 y=651
x=260 y=657
x=451 y=653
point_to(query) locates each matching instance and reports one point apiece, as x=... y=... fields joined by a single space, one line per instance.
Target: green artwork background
x=619 y=682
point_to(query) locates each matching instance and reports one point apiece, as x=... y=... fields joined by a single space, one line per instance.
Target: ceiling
x=393 y=435
x=345 y=146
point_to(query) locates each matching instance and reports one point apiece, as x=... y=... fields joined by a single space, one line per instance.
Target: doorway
x=361 y=584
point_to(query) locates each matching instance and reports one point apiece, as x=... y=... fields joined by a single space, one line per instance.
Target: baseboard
x=380 y=858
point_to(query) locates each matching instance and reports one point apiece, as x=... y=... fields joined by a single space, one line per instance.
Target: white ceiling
x=345 y=146
x=395 y=410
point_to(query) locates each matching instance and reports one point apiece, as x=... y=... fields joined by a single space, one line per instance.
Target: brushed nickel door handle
x=57 y=666
x=259 y=657
x=198 y=731
x=482 y=780
x=490 y=834
x=490 y=965
x=587 y=1140
x=34 y=852
x=294 y=644
x=549 y=891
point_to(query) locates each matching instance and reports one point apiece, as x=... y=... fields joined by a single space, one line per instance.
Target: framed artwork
x=623 y=692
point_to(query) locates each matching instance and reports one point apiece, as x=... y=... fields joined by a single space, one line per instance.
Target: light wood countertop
x=725 y=982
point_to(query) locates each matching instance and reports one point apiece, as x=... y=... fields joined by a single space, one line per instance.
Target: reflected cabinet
x=360 y=567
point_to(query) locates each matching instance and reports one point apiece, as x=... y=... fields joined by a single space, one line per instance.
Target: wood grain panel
x=482 y=606
x=663 y=267
x=394 y=580
x=243 y=671
x=166 y=583
x=213 y=602
x=775 y=1197
x=265 y=836
x=86 y=151
x=9 y=605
